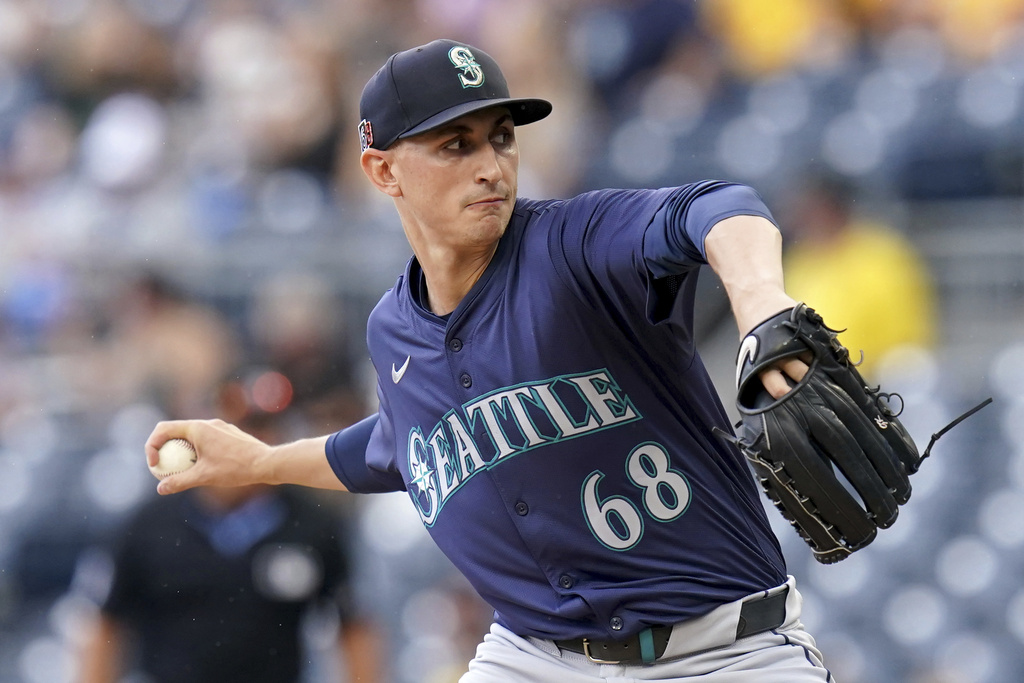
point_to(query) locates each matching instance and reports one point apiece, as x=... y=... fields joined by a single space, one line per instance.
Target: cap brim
x=522 y=110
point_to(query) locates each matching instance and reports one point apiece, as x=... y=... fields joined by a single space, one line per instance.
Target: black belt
x=756 y=616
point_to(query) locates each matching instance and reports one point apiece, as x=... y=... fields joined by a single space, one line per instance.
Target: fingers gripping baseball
x=226 y=456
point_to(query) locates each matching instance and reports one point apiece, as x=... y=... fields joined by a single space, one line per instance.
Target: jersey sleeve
x=638 y=249
x=674 y=240
x=354 y=454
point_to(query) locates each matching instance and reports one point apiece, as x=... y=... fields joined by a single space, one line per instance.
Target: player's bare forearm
x=227 y=456
x=302 y=462
x=746 y=254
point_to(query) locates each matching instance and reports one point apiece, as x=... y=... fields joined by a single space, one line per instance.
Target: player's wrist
x=753 y=310
x=267 y=465
x=301 y=462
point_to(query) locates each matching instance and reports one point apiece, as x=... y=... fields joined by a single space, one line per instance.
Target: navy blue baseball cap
x=427 y=86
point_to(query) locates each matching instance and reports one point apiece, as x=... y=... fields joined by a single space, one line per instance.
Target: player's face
x=458 y=182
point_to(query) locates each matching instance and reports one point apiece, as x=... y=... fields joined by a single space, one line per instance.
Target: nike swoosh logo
x=748 y=351
x=398 y=373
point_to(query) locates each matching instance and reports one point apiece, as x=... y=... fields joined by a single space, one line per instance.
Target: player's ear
x=377 y=165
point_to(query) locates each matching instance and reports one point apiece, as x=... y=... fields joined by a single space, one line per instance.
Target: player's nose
x=488 y=166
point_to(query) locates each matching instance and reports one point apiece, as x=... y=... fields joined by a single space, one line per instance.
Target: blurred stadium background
x=178 y=194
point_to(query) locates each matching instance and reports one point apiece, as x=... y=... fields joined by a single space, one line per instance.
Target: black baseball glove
x=831 y=453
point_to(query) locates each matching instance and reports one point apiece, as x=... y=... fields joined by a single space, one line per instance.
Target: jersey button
x=522 y=508
x=455 y=345
x=565 y=581
x=466 y=380
x=615 y=623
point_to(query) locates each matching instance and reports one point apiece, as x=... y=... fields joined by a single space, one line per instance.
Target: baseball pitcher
x=542 y=402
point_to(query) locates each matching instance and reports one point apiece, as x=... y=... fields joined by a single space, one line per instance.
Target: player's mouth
x=488 y=202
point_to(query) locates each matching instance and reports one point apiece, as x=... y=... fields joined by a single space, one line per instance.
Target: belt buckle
x=592 y=658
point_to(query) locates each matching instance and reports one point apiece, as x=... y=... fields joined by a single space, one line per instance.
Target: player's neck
x=450 y=277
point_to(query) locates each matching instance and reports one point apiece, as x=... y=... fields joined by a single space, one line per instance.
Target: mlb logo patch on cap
x=365 y=135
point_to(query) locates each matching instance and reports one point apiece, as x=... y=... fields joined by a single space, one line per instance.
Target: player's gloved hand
x=830 y=453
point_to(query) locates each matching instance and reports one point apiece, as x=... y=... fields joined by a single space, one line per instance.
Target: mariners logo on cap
x=472 y=75
x=365 y=134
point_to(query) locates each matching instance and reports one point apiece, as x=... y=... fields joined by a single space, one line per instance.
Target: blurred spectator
x=269 y=81
x=41 y=148
x=222 y=585
x=165 y=347
x=972 y=31
x=35 y=301
x=615 y=43
x=105 y=48
x=765 y=37
x=976 y=30
x=299 y=325
x=861 y=275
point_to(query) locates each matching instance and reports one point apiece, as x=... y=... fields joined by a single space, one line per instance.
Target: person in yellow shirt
x=760 y=38
x=860 y=274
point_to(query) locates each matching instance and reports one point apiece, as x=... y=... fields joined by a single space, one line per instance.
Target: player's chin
x=492 y=222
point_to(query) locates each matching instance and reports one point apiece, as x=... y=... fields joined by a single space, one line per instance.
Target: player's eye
x=503 y=137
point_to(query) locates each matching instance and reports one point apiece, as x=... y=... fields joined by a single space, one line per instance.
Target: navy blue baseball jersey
x=554 y=432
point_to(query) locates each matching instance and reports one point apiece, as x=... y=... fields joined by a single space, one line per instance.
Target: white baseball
x=176 y=455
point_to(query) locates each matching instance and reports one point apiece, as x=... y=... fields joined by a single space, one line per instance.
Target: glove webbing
x=840 y=549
